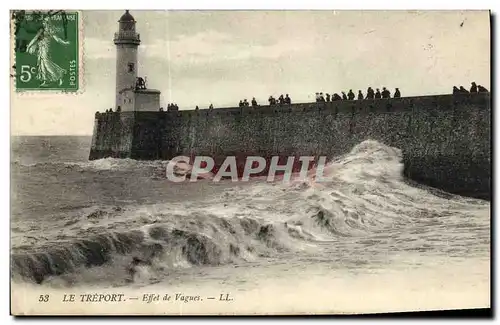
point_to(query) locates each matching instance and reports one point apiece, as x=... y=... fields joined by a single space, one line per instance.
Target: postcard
x=249 y=162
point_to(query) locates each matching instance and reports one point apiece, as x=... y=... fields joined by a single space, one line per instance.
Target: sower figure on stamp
x=47 y=70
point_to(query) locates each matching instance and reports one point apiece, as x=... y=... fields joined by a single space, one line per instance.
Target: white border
x=185 y=4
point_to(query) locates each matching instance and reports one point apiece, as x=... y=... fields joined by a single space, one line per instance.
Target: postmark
x=46 y=47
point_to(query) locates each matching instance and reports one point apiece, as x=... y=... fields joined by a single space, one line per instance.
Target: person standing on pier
x=386 y=93
x=378 y=95
x=397 y=93
x=473 y=88
x=481 y=89
x=350 y=95
x=360 y=95
x=370 y=94
x=463 y=90
x=281 y=99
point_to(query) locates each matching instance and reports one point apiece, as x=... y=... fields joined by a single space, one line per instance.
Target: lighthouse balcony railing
x=128 y=35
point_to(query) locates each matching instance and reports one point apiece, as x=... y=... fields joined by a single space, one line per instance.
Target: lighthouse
x=131 y=91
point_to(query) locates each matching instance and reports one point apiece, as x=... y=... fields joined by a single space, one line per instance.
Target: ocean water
x=366 y=241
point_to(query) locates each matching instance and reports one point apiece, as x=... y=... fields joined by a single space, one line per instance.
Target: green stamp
x=46 y=49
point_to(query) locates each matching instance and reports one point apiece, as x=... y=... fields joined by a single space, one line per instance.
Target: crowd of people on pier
x=282 y=100
x=172 y=107
x=473 y=89
x=320 y=97
x=286 y=100
x=370 y=94
x=350 y=95
x=118 y=110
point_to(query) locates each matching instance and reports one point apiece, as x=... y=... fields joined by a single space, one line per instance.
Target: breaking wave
x=365 y=201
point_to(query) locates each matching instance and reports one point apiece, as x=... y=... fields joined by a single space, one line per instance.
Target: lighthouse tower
x=131 y=91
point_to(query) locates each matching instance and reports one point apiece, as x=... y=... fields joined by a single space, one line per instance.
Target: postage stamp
x=46 y=50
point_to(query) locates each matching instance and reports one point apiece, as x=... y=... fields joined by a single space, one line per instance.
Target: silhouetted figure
x=176 y=108
x=378 y=95
x=350 y=95
x=397 y=93
x=240 y=104
x=161 y=109
x=344 y=96
x=254 y=102
x=245 y=103
x=140 y=83
x=321 y=97
x=327 y=97
x=281 y=99
x=336 y=97
x=481 y=89
x=211 y=106
x=456 y=90
x=270 y=100
x=386 y=93
x=370 y=94
x=463 y=90
x=360 y=95
x=196 y=108
x=317 y=97
x=288 y=100
x=473 y=88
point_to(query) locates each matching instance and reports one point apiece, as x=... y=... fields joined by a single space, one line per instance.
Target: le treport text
x=145 y=298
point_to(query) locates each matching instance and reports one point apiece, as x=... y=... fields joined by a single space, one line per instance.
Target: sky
x=220 y=57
